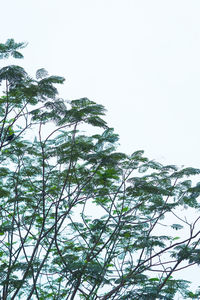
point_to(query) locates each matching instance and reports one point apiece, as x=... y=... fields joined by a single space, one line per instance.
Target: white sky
x=140 y=59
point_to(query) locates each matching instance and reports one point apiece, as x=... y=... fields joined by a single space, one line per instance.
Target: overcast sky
x=140 y=59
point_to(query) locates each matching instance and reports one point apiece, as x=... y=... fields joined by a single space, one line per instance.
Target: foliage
x=80 y=220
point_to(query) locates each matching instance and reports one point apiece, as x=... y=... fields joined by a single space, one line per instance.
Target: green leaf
x=154 y=279
x=10 y=48
x=41 y=73
x=125 y=209
x=176 y=226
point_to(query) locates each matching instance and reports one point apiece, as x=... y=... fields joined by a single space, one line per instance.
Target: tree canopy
x=79 y=219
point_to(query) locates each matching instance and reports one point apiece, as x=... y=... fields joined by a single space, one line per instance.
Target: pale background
x=140 y=59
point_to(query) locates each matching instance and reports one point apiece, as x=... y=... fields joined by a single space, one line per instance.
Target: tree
x=80 y=220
